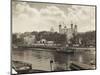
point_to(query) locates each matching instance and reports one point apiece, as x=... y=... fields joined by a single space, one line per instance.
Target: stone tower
x=75 y=29
x=71 y=26
x=60 y=28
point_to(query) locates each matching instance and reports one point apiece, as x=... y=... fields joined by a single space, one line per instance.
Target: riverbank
x=57 y=49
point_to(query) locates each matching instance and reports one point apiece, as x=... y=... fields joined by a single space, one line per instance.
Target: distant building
x=50 y=42
x=43 y=41
x=18 y=35
x=69 y=32
x=29 y=40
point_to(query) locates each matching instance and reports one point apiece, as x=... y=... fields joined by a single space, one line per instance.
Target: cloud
x=83 y=16
x=28 y=18
x=33 y=19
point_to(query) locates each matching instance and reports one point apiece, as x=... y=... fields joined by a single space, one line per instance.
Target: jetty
x=80 y=66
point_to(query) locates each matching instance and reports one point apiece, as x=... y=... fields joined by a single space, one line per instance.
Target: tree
x=16 y=40
x=87 y=38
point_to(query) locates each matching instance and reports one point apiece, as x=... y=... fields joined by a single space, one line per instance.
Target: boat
x=21 y=67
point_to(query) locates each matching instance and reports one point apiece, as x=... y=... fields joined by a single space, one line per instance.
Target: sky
x=32 y=16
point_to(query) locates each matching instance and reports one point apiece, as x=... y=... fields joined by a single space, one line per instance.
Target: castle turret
x=71 y=26
x=75 y=29
x=59 y=28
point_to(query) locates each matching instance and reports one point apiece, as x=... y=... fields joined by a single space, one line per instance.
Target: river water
x=52 y=60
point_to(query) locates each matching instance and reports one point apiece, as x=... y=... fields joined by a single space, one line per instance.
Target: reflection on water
x=41 y=60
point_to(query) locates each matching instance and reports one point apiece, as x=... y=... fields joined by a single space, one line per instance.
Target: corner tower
x=60 y=28
x=75 y=29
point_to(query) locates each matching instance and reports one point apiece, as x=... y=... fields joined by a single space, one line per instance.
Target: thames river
x=52 y=60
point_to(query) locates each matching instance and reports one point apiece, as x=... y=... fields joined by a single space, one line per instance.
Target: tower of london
x=69 y=32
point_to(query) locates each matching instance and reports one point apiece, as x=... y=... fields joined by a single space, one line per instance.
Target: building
x=43 y=41
x=69 y=32
x=29 y=40
x=18 y=35
x=50 y=42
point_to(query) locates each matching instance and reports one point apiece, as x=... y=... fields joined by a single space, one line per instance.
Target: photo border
x=56 y=4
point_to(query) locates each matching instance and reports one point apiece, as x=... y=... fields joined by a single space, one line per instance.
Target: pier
x=80 y=66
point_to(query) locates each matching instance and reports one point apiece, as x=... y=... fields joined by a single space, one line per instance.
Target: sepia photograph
x=52 y=37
